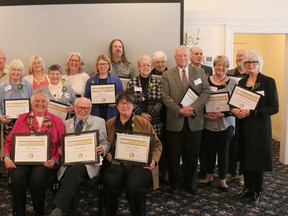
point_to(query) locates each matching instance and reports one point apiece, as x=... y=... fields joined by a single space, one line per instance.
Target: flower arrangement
x=255 y=86
x=88 y=125
x=20 y=87
x=46 y=125
x=62 y=81
x=151 y=85
x=64 y=89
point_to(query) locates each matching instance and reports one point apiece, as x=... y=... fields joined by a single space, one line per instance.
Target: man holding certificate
x=255 y=130
x=184 y=123
x=72 y=176
x=33 y=145
x=134 y=177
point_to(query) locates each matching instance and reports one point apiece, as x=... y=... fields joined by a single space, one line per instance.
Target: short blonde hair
x=32 y=60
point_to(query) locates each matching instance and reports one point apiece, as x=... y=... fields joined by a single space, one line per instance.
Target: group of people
x=150 y=104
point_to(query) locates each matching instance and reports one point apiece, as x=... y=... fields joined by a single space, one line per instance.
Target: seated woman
x=39 y=120
x=57 y=90
x=37 y=76
x=134 y=178
x=14 y=88
x=103 y=76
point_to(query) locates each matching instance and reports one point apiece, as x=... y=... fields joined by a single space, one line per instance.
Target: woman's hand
x=4 y=119
x=69 y=108
x=109 y=156
x=100 y=149
x=60 y=151
x=9 y=164
x=146 y=116
x=49 y=164
x=214 y=116
x=151 y=166
x=240 y=113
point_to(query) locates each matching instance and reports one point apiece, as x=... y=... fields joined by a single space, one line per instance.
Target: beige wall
x=271 y=47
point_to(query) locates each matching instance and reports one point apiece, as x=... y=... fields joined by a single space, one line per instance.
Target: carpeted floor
x=208 y=201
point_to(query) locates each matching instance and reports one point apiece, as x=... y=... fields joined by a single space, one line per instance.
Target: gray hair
x=83 y=98
x=253 y=55
x=16 y=63
x=159 y=54
x=39 y=92
x=142 y=57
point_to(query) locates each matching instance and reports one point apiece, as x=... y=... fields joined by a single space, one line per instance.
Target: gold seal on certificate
x=58 y=109
x=31 y=149
x=133 y=148
x=103 y=93
x=218 y=102
x=189 y=97
x=80 y=147
x=14 y=107
x=243 y=98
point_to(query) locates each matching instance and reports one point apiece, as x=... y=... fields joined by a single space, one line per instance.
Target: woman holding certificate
x=255 y=138
x=133 y=177
x=219 y=123
x=36 y=75
x=57 y=90
x=13 y=89
x=102 y=81
x=36 y=138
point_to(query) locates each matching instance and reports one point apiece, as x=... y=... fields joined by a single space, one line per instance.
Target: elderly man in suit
x=72 y=176
x=196 y=55
x=184 y=123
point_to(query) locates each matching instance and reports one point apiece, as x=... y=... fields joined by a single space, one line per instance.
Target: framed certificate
x=30 y=148
x=58 y=109
x=103 y=93
x=133 y=147
x=243 y=98
x=189 y=97
x=124 y=82
x=14 y=107
x=155 y=76
x=80 y=147
x=218 y=102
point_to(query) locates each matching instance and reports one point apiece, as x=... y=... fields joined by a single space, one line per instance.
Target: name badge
x=7 y=88
x=213 y=88
x=261 y=93
x=137 y=89
x=198 y=81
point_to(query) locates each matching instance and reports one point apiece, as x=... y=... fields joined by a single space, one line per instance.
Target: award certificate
x=103 y=94
x=31 y=148
x=58 y=109
x=243 y=98
x=155 y=76
x=80 y=147
x=124 y=82
x=218 y=102
x=133 y=148
x=14 y=107
x=189 y=97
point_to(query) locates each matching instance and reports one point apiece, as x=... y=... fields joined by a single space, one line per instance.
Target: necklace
x=219 y=81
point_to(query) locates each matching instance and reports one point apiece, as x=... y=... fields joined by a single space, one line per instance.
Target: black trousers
x=135 y=179
x=36 y=177
x=68 y=195
x=253 y=181
x=217 y=143
x=183 y=144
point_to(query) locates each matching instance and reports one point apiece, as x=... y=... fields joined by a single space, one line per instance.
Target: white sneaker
x=241 y=180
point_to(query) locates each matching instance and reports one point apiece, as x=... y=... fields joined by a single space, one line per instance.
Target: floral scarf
x=33 y=124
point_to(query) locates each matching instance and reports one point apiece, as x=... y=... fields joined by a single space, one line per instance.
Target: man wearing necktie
x=184 y=123
x=72 y=176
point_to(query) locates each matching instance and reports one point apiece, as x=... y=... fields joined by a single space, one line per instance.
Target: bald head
x=82 y=107
x=2 y=60
x=196 y=55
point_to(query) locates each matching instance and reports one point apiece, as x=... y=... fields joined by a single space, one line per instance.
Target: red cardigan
x=56 y=128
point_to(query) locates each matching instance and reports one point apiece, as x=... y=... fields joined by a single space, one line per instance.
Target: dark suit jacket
x=172 y=93
x=208 y=70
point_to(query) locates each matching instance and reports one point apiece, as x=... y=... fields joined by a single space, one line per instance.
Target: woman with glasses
x=147 y=92
x=134 y=178
x=218 y=126
x=255 y=138
x=103 y=76
x=76 y=77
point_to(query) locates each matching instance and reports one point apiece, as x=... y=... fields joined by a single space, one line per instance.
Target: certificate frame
x=222 y=106
x=23 y=103
x=100 y=95
x=243 y=98
x=58 y=109
x=86 y=141
x=30 y=148
x=131 y=153
x=189 y=97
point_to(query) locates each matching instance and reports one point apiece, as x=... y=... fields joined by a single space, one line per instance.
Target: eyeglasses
x=254 y=63
x=122 y=104
x=220 y=65
x=102 y=64
x=145 y=65
x=82 y=108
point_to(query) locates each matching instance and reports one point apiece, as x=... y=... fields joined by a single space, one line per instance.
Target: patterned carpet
x=208 y=201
